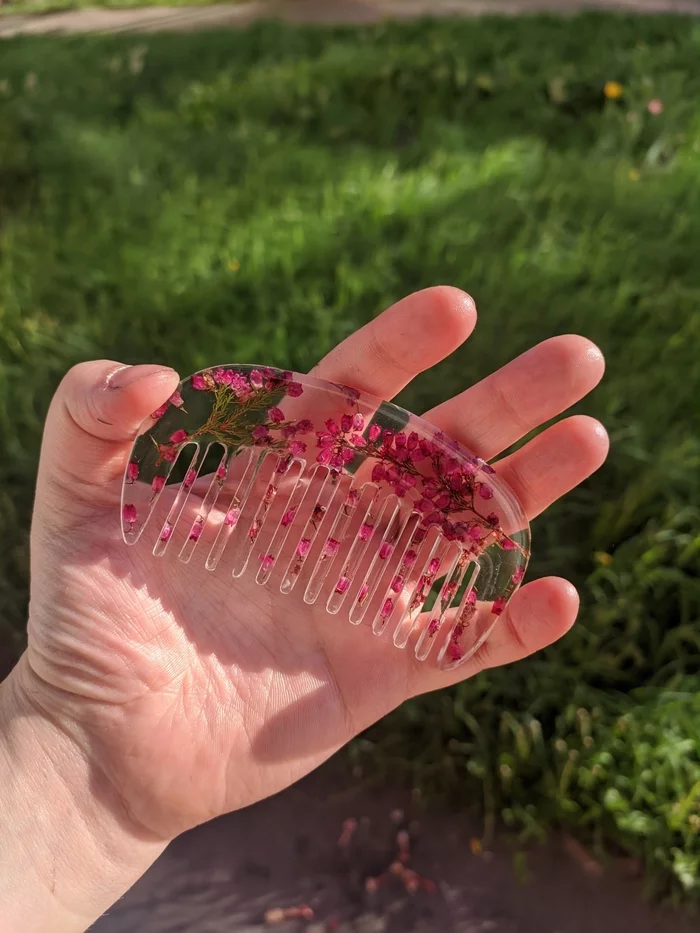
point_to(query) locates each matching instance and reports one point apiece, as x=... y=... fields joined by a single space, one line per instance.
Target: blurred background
x=257 y=195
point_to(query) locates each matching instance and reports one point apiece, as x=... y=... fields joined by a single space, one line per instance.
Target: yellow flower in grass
x=633 y=175
x=613 y=90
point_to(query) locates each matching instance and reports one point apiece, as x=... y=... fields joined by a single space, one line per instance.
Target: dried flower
x=498 y=606
x=267 y=562
x=304 y=547
x=232 y=517
x=166 y=532
x=178 y=436
x=176 y=399
x=132 y=471
x=198 y=382
x=342 y=585
x=129 y=514
x=157 y=483
x=159 y=412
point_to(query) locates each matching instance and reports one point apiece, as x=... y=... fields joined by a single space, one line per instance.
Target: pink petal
x=342 y=585
x=178 y=437
x=304 y=547
x=176 y=399
x=198 y=382
x=294 y=389
x=129 y=514
x=132 y=471
x=498 y=606
x=276 y=415
x=157 y=483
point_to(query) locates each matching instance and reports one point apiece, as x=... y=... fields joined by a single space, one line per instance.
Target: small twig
x=280 y=914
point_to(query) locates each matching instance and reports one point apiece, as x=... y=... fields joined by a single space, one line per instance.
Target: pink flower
x=342 y=585
x=358 y=440
x=337 y=460
x=324 y=455
x=332 y=427
x=304 y=426
x=332 y=546
x=471 y=597
x=323 y=439
x=454 y=651
x=492 y=519
x=288 y=517
x=365 y=532
x=347 y=454
x=232 y=517
x=409 y=558
x=166 y=532
x=157 y=483
x=199 y=382
x=378 y=473
x=434 y=566
x=397 y=584
x=364 y=589
x=498 y=606
x=415 y=454
x=304 y=547
x=168 y=453
x=267 y=562
x=374 y=432
x=294 y=389
x=296 y=448
x=345 y=423
x=358 y=422
x=474 y=533
x=276 y=415
x=129 y=514
x=433 y=627
x=386 y=609
x=178 y=437
x=400 y=440
x=443 y=502
x=221 y=471
x=132 y=471
x=386 y=550
x=655 y=106
x=485 y=491
x=518 y=575
x=256 y=378
x=508 y=544
x=260 y=433
x=159 y=412
x=176 y=399
x=190 y=477
x=196 y=532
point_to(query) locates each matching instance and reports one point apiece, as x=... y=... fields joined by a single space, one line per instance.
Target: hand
x=183 y=727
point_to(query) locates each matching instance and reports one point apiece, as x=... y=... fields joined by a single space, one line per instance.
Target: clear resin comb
x=320 y=490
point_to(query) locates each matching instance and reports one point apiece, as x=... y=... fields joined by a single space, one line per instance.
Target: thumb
x=93 y=420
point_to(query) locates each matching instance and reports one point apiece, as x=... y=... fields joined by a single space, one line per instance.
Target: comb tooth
x=344 y=515
x=462 y=618
x=183 y=492
x=284 y=525
x=251 y=461
x=244 y=543
x=208 y=503
x=324 y=497
x=374 y=514
x=419 y=581
x=391 y=600
x=144 y=499
x=376 y=568
x=439 y=553
x=434 y=625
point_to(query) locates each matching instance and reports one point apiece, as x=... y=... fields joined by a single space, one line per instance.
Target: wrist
x=68 y=847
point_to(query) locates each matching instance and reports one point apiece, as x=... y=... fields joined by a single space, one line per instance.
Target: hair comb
x=319 y=488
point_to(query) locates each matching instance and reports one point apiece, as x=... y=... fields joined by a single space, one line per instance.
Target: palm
x=199 y=694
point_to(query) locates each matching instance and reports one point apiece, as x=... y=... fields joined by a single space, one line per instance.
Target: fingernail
x=126 y=375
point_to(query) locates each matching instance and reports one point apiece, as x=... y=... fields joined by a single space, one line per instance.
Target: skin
x=151 y=699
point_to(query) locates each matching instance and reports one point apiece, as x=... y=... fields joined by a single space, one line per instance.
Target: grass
x=257 y=196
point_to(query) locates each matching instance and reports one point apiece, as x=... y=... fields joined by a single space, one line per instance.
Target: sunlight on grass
x=258 y=196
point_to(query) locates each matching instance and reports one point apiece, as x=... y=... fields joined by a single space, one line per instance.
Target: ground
x=226 y=875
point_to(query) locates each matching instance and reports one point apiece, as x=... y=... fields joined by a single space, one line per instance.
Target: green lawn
x=256 y=196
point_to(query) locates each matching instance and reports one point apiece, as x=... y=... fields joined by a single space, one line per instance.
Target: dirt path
x=223 y=877
x=239 y=15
